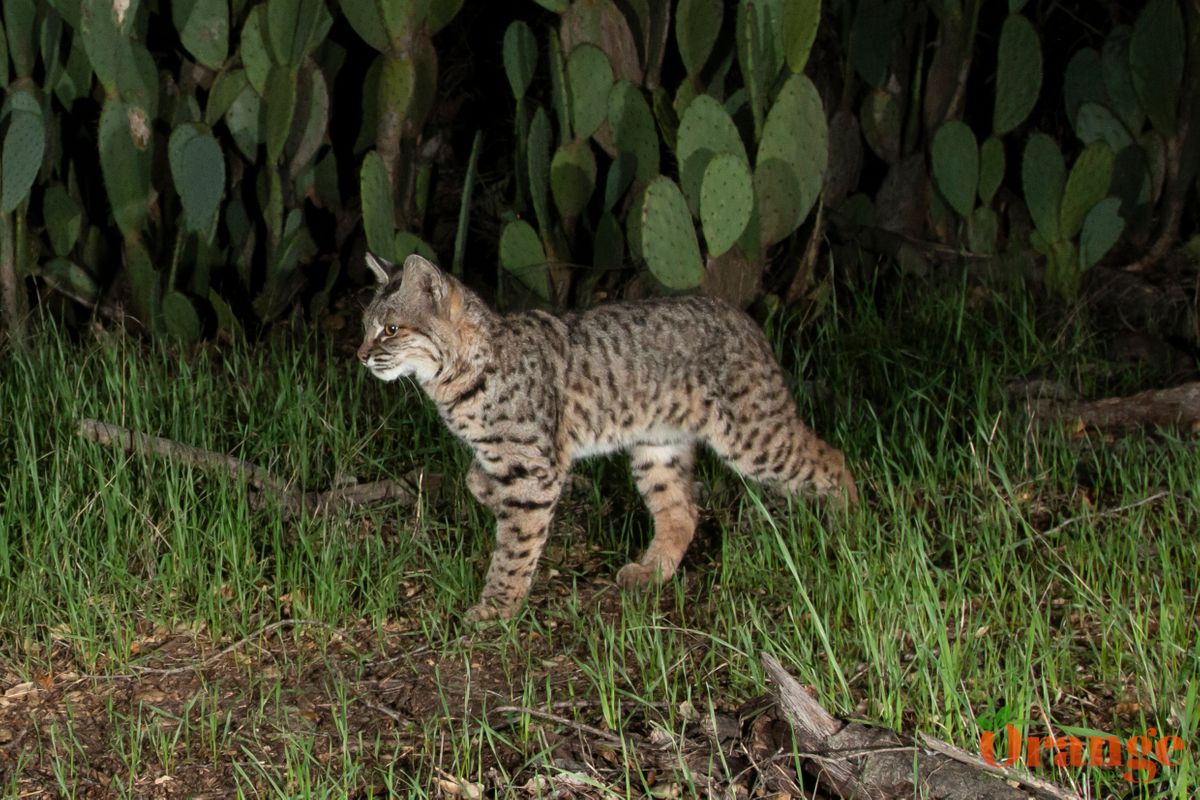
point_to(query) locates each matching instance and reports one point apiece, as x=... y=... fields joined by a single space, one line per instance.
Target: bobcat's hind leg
x=664 y=477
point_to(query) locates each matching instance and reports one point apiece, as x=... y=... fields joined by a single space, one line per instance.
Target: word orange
x=1144 y=752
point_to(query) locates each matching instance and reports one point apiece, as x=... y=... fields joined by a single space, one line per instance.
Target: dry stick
x=294 y=500
x=265 y=629
x=580 y=727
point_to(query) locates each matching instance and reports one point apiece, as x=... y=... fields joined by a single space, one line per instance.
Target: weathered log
x=1177 y=407
x=862 y=762
x=293 y=500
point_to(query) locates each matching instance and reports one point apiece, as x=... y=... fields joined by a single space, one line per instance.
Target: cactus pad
x=520 y=57
x=367 y=20
x=378 y=206
x=1102 y=227
x=633 y=127
x=125 y=166
x=956 y=165
x=1042 y=177
x=590 y=78
x=203 y=27
x=668 y=236
x=726 y=202
x=63 y=218
x=991 y=168
x=1118 y=78
x=697 y=24
x=705 y=130
x=522 y=257
x=24 y=146
x=198 y=169
x=180 y=318
x=792 y=155
x=1157 y=55
x=573 y=177
x=799 y=25
x=1018 y=73
x=538 y=157
x=1086 y=186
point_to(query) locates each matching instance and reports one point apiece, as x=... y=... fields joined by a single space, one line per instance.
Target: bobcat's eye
x=391 y=329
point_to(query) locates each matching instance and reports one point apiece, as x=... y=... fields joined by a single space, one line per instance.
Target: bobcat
x=531 y=392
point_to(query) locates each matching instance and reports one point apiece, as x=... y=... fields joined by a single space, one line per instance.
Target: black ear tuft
x=381 y=268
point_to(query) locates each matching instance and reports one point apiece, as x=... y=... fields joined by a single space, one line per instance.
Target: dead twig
x=608 y=738
x=195 y=665
x=293 y=500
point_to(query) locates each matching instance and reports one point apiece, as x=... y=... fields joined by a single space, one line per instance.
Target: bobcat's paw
x=637 y=576
x=485 y=610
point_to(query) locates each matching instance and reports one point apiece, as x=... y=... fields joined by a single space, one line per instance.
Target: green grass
x=988 y=563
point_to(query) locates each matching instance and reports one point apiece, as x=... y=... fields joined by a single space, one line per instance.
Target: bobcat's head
x=416 y=323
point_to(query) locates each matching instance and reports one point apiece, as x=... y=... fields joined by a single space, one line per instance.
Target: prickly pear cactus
x=792 y=155
x=520 y=57
x=697 y=25
x=523 y=258
x=203 y=27
x=1087 y=185
x=633 y=127
x=590 y=78
x=1118 y=78
x=705 y=130
x=991 y=168
x=726 y=202
x=573 y=177
x=668 y=236
x=538 y=158
x=125 y=163
x=1018 y=73
x=1102 y=227
x=63 y=218
x=24 y=146
x=1043 y=175
x=1157 y=54
x=180 y=318
x=799 y=27
x=198 y=169
x=956 y=165
x=379 y=207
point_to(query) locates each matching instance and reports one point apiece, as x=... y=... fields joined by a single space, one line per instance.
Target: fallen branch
x=1177 y=407
x=860 y=761
x=293 y=500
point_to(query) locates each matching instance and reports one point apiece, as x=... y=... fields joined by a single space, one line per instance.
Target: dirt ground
x=397 y=699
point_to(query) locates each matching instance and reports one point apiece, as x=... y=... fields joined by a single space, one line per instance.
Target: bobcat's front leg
x=522 y=498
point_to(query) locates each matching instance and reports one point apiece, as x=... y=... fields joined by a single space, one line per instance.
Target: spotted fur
x=530 y=393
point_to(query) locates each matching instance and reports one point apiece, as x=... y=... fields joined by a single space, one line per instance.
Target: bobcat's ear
x=382 y=269
x=443 y=292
